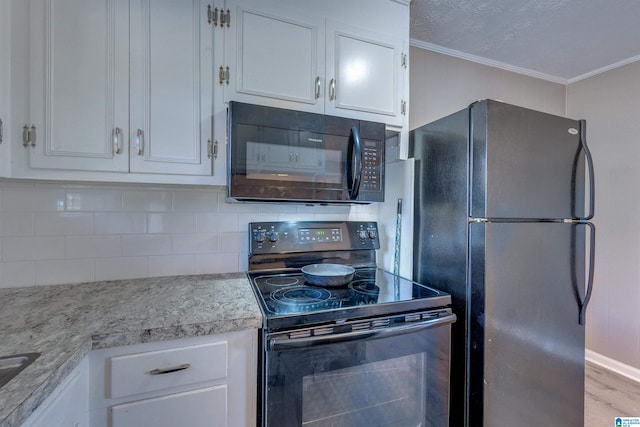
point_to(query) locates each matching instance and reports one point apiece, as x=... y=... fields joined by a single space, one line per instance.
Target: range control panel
x=309 y=236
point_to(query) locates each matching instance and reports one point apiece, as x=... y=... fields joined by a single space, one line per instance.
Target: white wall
x=610 y=102
x=441 y=85
x=52 y=233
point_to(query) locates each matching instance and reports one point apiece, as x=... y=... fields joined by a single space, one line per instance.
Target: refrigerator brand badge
x=573 y=131
x=627 y=421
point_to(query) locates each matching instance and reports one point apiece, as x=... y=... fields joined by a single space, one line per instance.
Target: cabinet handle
x=25 y=136
x=318 y=87
x=32 y=136
x=117 y=133
x=169 y=370
x=140 y=141
x=332 y=90
x=1 y=130
x=290 y=157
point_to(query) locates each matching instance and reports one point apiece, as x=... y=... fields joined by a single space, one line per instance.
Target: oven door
x=382 y=376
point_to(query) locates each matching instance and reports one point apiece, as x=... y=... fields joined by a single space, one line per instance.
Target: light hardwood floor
x=609 y=395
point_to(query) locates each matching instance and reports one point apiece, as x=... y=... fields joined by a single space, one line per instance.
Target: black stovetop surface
x=287 y=301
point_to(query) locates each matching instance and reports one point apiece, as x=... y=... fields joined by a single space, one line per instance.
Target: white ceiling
x=561 y=40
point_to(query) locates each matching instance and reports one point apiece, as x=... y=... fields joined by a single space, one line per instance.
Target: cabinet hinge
x=225 y=18
x=28 y=136
x=223 y=75
x=403 y=60
x=212 y=149
x=403 y=107
x=212 y=15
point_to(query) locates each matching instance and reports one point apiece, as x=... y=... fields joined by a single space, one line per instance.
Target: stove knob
x=362 y=234
x=373 y=234
x=273 y=237
x=261 y=235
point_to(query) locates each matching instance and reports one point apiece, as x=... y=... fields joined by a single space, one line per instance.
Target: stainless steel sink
x=10 y=366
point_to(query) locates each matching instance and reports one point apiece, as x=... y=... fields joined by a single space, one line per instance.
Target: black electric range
x=278 y=250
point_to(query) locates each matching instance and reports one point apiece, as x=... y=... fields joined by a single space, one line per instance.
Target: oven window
x=388 y=393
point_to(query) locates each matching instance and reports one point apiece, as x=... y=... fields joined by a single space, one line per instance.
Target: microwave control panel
x=305 y=236
x=371 y=165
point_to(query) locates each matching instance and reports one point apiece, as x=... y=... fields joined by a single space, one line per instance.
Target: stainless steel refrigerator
x=503 y=199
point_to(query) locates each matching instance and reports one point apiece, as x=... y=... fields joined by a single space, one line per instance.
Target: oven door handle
x=278 y=344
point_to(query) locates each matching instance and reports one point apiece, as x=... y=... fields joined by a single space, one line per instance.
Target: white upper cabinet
x=79 y=77
x=171 y=81
x=273 y=56
x=324 y=57
x=117 y=90
x=364 y=71
x=136 y=90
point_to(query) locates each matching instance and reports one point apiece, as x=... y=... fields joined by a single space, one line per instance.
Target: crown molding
x=604 y=69
x=484 y=61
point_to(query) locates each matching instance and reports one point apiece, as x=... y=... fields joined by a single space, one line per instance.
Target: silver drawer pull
x=169 y=370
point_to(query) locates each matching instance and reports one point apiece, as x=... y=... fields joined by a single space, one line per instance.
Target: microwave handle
x=354 y=164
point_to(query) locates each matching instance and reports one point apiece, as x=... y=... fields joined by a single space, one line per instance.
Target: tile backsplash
x=66 y=232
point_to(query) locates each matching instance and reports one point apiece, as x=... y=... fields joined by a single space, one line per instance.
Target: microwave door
x=286 y=155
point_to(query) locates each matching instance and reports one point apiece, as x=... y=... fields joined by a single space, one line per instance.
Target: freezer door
x=526 y=344
x=524 y=164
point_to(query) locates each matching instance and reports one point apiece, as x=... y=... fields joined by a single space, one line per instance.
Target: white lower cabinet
x=67 y=405
x=193 y=382
x=205 y=406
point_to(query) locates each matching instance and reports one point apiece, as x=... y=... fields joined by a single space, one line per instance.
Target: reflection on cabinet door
x=79 y=74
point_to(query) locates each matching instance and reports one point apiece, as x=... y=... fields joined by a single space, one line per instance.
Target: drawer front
x=206 y=407
x=156 y=370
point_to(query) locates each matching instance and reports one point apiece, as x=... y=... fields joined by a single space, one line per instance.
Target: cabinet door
x=363 y=71
x=171 y=87
x=67 y=405
x=206 y=407
x=79 y=84
x=275 y=58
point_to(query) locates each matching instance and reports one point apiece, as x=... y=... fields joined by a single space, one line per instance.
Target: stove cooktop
x=286 y=300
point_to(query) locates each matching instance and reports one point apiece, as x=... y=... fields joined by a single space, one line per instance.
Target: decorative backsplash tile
x=66 y=232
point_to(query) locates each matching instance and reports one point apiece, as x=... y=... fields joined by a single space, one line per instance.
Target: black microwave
x=293 y=156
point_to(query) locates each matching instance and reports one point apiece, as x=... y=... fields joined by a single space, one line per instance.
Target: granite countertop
x=65 y=322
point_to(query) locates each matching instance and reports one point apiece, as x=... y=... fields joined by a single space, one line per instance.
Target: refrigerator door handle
x=589 y=161
x=592 y=254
